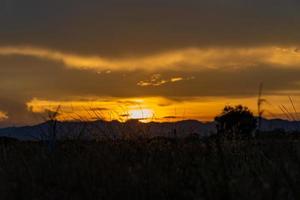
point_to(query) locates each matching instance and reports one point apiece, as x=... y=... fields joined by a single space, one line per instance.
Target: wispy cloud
x=176 y=79
x=157 y=80
x=3 y=116
x=190 y=58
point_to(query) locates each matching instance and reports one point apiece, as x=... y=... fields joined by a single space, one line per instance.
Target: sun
x=141 y=114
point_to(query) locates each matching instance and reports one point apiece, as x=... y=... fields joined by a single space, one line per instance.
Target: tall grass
x=157 y=168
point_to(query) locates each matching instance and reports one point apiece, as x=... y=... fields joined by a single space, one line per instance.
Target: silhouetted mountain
x=131 y=128
x=288 y=126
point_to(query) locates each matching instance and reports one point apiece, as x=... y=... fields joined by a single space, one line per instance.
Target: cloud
x=3 y=116
x=157 y=80
x=23 y=78
x=176 y=79
x=193 y=59
x=171 y=117
x=142 y=27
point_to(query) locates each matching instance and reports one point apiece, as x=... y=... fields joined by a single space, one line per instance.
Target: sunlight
x=141 y=114
x=146 y=109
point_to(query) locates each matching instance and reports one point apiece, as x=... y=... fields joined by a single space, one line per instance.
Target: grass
x=157 y=168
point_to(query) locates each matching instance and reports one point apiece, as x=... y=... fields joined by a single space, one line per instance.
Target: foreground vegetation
x=238 y=162
x=157 y=168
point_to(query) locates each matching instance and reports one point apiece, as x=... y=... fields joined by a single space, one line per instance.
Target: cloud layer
x=191 y=59
x=142 y=27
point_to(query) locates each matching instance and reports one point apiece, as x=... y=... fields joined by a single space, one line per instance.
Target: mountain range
x=131 y=128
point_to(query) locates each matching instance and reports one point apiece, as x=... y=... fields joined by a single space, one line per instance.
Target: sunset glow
x=150 y=99
x=153 y=108
x=143 y=114
x=109 y=59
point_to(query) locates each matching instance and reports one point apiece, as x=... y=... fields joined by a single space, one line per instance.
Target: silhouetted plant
x=260 y=102
x=52 y=123
x=238 y=120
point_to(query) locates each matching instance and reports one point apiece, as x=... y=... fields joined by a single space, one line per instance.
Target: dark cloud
x=118 y=27
x=24 y=78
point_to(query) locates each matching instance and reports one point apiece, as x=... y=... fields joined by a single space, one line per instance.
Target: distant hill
x=280 y=124
x=131 y=128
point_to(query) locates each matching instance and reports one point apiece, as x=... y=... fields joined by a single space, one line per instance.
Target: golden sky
x=161 y=60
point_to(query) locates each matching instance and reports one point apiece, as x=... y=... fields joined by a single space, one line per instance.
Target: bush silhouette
x=238 y=120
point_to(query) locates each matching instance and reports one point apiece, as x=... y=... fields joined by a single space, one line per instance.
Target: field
x=157 y=168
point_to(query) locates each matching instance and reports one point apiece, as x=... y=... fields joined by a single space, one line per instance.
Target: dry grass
x=157 y=168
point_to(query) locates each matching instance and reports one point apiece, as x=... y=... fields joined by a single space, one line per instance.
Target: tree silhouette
x=238 y=120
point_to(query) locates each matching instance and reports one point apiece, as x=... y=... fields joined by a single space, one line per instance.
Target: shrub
x=237 y=120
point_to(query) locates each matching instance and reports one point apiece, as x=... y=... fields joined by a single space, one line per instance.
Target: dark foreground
x=152 y=169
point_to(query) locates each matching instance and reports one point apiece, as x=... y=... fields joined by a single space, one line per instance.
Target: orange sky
x=158 y=108
x=168 y=60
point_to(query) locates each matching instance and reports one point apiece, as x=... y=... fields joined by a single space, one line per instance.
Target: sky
x=163 y=60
